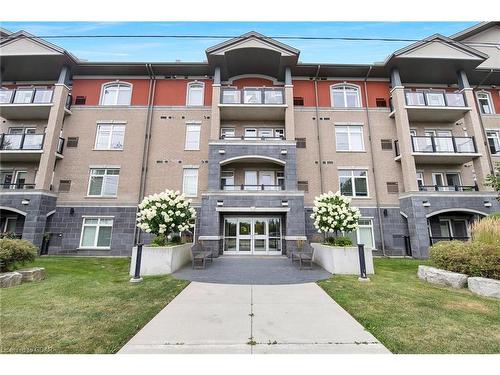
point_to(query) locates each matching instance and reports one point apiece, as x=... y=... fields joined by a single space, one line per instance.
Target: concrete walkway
x=215 y=318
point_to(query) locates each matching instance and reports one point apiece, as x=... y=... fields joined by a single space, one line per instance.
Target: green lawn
x=85 y=305
x=411 y=316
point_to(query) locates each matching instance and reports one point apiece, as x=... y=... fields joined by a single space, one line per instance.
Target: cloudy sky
x=162 y=49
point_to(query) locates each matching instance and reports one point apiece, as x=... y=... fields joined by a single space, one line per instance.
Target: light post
x=137 y=273
x=362 y=263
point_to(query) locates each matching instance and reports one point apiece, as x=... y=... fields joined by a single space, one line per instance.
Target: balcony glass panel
x=435 y=99
x=6 y=96
x=33 y=142
x=465 y=145
x=414 y=98
x=273 y=97
x=252 y=96
x=422 y=144
x=23 y=96
x=455 y=99
x=12 y=141
x=231 y=96
x=444 y=144
x=43 y=96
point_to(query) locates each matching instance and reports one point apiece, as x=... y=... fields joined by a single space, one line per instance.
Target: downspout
x=147 y=141
x=317 y=129
x=368 y=122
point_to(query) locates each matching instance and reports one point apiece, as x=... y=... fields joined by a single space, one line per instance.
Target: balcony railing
x=26 y=96
x=60 y=145
x=448 y=188
x=396 y=148
x=256 y=96
x=17 y=186
x=252 y=187
x=435 y=99
x=455 y=145
x=235 y=138
x=435 y=239
x=21 y=141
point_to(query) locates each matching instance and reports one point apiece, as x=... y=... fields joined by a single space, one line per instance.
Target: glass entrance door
x=252 y=235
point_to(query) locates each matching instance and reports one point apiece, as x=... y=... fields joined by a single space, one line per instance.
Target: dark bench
x=303 y=255
x=200 y=256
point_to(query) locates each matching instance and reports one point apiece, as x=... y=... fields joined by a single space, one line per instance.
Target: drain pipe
x=368 y=122
x=147 y=141
x=316 y=96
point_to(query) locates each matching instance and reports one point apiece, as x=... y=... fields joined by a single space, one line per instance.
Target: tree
x=493 y=180
x=332 y=213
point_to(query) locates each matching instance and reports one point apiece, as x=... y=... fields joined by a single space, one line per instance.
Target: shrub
x=338 y=241
x=495 y=214
x=332 y=213
x=472 y=258
x=487 y=230
x=15 y=251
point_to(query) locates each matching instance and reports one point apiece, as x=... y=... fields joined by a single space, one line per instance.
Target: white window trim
x=123 y=83
x=497 y=136
x=6 y=224
x=188 y=91
x=192 y=124
x=353 y=184
x=345 y=84
x=184 y=180
x=490 y=102
x=349 y=127
x=110 y=136
x=102 y=189
x=97 y=232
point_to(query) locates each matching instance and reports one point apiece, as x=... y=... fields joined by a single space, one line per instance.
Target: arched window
x=195 y=93
x=485 y=102
x=116 y=93
x=345 y=96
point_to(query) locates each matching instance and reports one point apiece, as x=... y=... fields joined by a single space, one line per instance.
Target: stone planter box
x=484 y=287
x=442 y=277
x=32 y=274
x=10 y=279
x=161 y=260
x=341 y=260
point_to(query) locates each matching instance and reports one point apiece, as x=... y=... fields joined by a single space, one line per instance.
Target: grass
x=411 y=316
x=84 y=305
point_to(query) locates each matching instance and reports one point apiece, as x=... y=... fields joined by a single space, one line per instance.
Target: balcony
x=22 y=104
x=252 y=187
x=448 y=188
x=17 y=186
x=265 y=103
x=25 y=147
x=439 y=150
x=435 y=106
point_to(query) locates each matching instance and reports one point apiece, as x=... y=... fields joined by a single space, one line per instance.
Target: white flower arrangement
x=332 y=213
x=165 y=213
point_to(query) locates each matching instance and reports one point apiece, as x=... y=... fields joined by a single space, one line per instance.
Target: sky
x=191 y=50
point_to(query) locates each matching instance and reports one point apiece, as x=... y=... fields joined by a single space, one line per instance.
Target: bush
x=487 y=230
x=338 y=241
x=472 y=258
x=162 y=240
x=15 y=251
x=332 y=213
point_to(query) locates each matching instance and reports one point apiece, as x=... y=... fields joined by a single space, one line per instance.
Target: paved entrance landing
x=253 y=319
x=252 y=270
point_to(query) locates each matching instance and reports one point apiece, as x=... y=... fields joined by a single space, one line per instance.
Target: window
x=353 y=183
x=192 y=137
x=386 y=144
x=420 y=180
x=446 y=181
x=190 y=182
x=195 y=93
x=227 y=180
x=64 y=186
x=279 y=133
x=346 y=96
x=280 y=180
x=96 y=233
x=303 y=186
x=250 y=133
x=301 y=142
x=118 y=93
x=381 y=102
x=265 y=133
x=392 y=187
x=109 y=137
x=298 y=101
x=227 y=133
x=103 y=182
x=484 y=100
x=72 y=142
x=364 y=234
x=493 y=141
x=349 y=138
x=80 y=100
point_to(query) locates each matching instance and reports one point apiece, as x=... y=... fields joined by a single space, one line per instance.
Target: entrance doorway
x=252 y=235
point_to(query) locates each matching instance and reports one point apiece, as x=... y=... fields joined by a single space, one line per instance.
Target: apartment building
x=251 y=135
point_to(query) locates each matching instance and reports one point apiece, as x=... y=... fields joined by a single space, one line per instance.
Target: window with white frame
x=192 y=136
x=494 y=141
x=345 y=95
x=103 y=182
x=364 y=233
x=96 y=233
x=353 y=182
x=117 y=93
x=485 y=103
x=195 y=93
x=109 y=137
x=190 y=182
x=349 y=138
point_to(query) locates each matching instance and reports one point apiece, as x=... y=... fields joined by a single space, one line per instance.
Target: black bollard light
x=362 y=263
x=137 y=273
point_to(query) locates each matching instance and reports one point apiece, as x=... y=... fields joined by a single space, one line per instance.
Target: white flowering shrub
x=165 y=213
x=332 y=213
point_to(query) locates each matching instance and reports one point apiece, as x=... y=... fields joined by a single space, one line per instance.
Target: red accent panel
x=304 y=89
x=91 y=88
x=173 y=92
x=377 y=90
x=252 y=82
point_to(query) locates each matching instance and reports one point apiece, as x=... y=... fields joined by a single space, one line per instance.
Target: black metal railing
x=435 y=239
x=256 y=96
x=435 y=99
x=396 y=148
x=252 y=187
x=21 y=141
x=60 y=145
x=451 y=144
x=17 y=186
x=245 y=138
x=448 y=188
x=26 y=96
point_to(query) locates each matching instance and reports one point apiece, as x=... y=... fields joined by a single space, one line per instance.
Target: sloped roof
x=473 y=30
